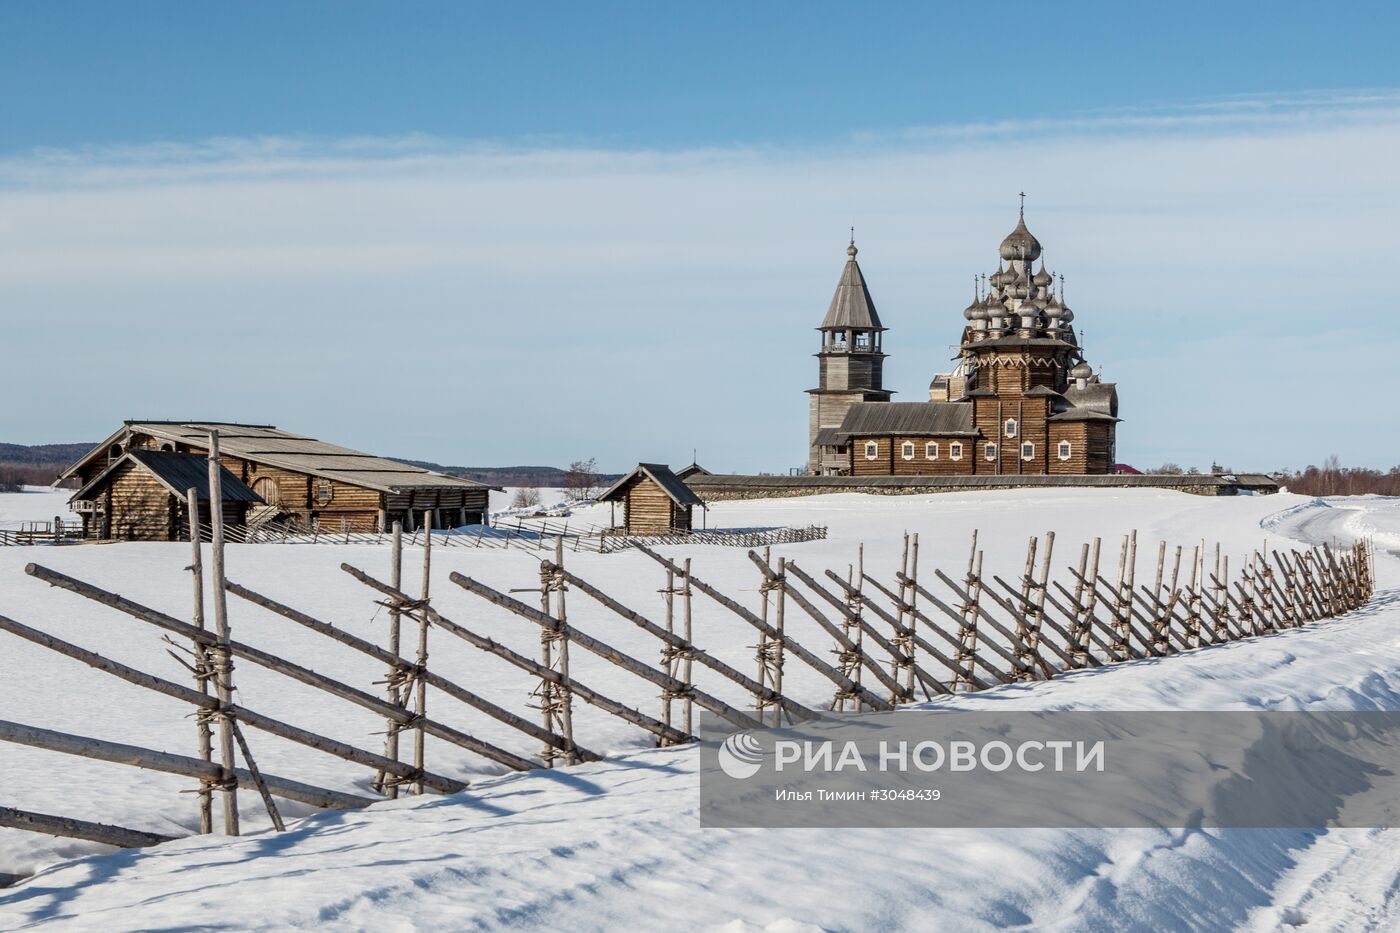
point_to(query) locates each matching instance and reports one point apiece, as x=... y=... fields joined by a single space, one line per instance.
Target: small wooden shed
x=143 y=496
x=654 y=499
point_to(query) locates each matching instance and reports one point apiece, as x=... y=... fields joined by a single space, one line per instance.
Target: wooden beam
x=842 y=682
x=151 y=760
x=528 y=665
x=680 y=644
x=282 y=666
x=606 y=652
x=202 y=700
x=10 y=818
x=398 y=662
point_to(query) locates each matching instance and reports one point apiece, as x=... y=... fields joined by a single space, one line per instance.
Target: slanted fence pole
x=223 y=658
x=201 y=665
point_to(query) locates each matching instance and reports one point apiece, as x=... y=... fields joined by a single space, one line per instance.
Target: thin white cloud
x=576 y=301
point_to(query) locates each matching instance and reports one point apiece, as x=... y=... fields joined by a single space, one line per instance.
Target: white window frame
x=1011 y=427
x=1027 y=450
x=955 y=450
x=931 y=450
x=989 y=451
x=872 y=450
x=1066 y=450
x=906 y=450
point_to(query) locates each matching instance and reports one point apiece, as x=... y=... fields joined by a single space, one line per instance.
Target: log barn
x=654 y=500
x=293 y=479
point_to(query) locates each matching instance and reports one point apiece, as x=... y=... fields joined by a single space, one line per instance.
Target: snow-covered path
x=616 y=845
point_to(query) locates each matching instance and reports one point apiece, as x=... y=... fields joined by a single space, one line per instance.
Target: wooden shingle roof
x=660 y=474
x=866 y=419
x=265 y=444
x=177 y=472
x=851 y=307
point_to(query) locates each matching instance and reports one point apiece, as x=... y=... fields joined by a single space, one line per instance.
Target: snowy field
x=616 y=845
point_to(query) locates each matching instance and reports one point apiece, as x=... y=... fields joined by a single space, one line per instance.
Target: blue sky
x=608 y=229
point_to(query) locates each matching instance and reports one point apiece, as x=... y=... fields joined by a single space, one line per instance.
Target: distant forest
x=542 y=476
x=38 y=465
x=1333 y=479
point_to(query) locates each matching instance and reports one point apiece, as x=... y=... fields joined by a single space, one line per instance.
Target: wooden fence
x=880 y=643
x=522 y=535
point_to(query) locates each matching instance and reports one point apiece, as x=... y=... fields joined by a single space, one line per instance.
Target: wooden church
x=1021 y=399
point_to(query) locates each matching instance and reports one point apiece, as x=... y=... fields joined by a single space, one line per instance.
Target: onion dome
x=1001 y=276
x=1081 y=371
x=1019 y=244
x=1043 y=278
x=970 y=312
x=1066 y=315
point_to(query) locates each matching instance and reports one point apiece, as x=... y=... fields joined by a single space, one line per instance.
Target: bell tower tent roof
x=851 y=307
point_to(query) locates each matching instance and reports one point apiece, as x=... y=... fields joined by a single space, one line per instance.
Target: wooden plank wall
x=648 y=508
x=139 y=507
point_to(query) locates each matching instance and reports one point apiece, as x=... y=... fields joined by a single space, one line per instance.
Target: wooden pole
x=683 y=646
x=420 y=680
x=841 y=681
x=913 y=637
x=202 y=670
x=566 y=711
x=778 y=621
x=222 y=659
x=151 y=760
x=395 y=676
x=528 y=665
x=686 y=670
x=204 y=702
x=10 y=818
x=607 y=652
x=856 y=655
x=402 y=665
x=281 y=665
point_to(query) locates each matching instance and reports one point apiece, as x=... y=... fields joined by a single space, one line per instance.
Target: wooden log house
x=144 y=492
x=294 y=479
x=654 y=501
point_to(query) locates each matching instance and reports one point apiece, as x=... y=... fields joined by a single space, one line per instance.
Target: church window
x=1065 y=450
x=1027 y=451
x=862 y=341
x=931 y=450
x=955 y=450
x=872 y=450
x=907 y=450
x=990 y=451
x=1011 y=427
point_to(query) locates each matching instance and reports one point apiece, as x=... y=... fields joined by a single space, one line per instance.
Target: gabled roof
x=177 y=473
x=919 y=418
x=661 y=475
x=264 y=444
x=694 y=469
x=851 y=307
